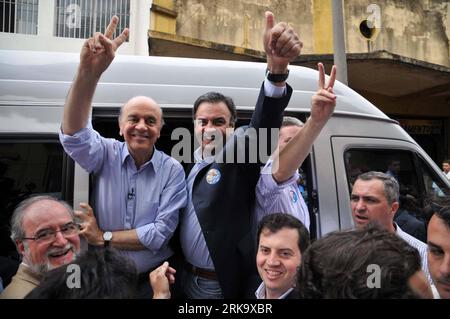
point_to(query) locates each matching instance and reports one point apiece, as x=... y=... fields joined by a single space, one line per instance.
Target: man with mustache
x=375 y=199
x=439 y=252
x=46 y=236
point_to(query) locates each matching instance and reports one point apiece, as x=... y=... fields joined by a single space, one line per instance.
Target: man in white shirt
x=375 y=198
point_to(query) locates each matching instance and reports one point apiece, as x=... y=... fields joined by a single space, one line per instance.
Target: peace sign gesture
x=324 y=101
x=99 y=51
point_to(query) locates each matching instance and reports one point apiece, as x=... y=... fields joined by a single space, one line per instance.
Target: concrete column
x=139 y=25
x=340 y=57
x=46 y=20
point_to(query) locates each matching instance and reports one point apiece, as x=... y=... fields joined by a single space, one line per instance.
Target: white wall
x=45 y=41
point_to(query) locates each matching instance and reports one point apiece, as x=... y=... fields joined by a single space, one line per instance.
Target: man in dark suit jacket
x=215 y=227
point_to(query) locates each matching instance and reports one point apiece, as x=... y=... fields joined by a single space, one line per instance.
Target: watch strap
x=276 y=78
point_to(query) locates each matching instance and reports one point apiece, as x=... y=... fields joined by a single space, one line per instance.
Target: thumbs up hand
x=281 y=44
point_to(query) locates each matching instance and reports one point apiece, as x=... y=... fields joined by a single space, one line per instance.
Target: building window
x=81 y=18
x=19 y=16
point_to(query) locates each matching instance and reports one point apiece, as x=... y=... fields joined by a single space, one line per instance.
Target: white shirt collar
x=435 y=292
x=198 y=157
x=260 y=293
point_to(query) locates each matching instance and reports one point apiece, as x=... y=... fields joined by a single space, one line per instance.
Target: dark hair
x=215 y=97
x=337 y=265
x=444 y=214
x=104 y=274
x=277 y=221
x=446 y=161
x=391 y=187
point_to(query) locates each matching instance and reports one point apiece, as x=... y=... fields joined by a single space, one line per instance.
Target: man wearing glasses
x=46 y=236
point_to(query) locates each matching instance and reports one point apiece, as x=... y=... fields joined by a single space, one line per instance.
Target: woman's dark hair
x=339 y=265
x=102 y=274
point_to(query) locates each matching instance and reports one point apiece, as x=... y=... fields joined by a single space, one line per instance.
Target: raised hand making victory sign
x=292 y=155
x=324 y=101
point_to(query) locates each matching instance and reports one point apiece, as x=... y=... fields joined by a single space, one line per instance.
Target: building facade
x=63 y=25
x=398 y=52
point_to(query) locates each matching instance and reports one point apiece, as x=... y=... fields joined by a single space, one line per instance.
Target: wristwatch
x=276 y=78
x=107 y=236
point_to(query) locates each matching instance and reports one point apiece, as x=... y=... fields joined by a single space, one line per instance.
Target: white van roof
x=35 y=78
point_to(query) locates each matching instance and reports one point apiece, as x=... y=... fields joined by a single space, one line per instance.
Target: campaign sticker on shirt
x=294 y=196
x=213 y=176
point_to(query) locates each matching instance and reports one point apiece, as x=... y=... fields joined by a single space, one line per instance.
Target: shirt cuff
x=271 y=90
x=82 y=135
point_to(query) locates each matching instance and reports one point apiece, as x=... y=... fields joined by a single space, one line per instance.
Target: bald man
x=138 y=190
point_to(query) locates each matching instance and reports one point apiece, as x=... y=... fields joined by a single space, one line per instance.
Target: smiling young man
x=138 y=189
x=46 y=236
x=439 y=252
x=282 y=239
x=374 y=199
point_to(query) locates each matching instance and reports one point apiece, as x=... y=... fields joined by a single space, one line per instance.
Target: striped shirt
x=273 y=197
x=420 y=246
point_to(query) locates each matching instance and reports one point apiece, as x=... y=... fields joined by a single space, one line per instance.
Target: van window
x=27 y=167
x=435 y=188
x=419 y=185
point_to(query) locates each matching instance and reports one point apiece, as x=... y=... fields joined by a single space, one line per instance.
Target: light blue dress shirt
x=192 y=240
x=285 y=197
x=147 y=199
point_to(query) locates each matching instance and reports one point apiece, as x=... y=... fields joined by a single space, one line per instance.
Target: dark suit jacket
x=224 y=209
x=411 y=225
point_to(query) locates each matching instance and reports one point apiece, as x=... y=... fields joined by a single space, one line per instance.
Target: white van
x=358 y=137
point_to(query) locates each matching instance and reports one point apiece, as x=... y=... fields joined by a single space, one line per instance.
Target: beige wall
x=240 y=22
x=419 y=29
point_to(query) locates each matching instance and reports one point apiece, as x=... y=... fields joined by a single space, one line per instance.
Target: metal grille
x=19 y=16
x=81 y=18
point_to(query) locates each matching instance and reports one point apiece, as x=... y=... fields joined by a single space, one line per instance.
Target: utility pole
x=340 y=57
x=139 y=35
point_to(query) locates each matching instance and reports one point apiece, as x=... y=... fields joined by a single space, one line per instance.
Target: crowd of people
x=215 y=229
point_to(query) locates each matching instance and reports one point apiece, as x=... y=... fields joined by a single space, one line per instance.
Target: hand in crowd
x=89 y=227
x=324 y=101
x=160 y=279
x=98 y=52
x=281 y=44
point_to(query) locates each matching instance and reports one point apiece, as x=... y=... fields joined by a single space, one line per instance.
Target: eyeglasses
x=49 y=235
